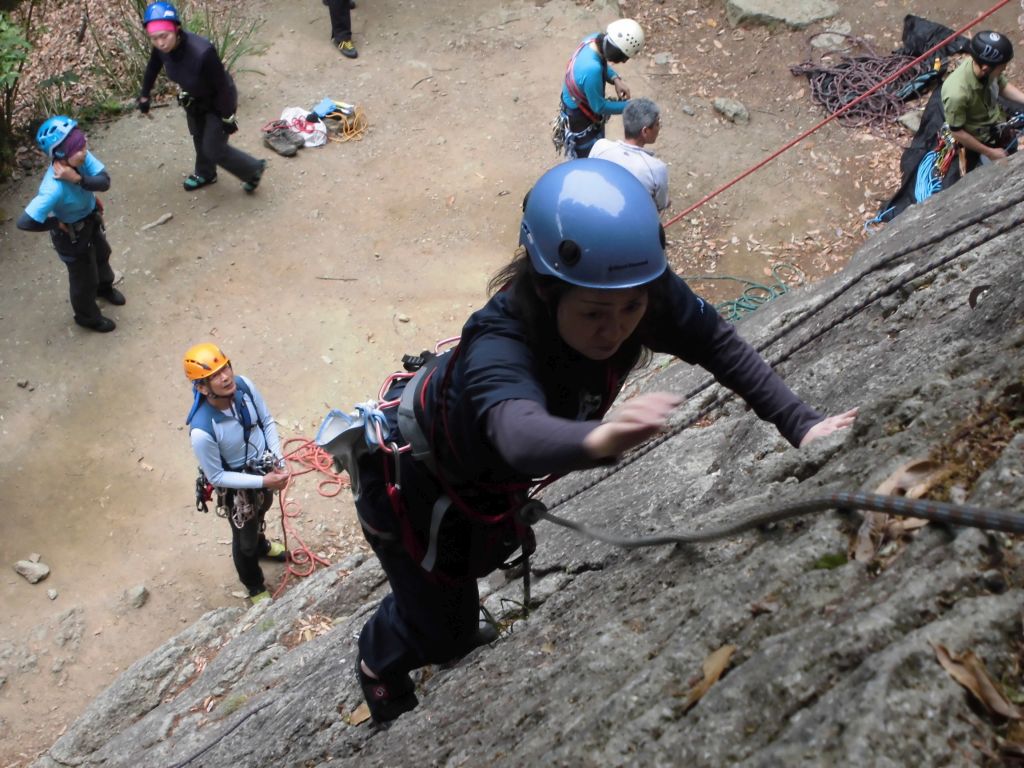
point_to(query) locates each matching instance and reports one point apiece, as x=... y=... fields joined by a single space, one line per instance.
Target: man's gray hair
x=639 y=114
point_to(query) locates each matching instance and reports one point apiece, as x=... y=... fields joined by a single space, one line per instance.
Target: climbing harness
x=563 y=137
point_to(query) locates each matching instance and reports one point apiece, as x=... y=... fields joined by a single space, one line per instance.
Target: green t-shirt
x=970 y=104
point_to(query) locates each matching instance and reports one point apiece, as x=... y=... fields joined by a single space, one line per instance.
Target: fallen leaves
x=881 y=537
x=713 y=668
x=969 y=671
x=306 y=629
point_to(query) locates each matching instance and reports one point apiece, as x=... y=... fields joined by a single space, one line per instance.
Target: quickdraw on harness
x=243 y=504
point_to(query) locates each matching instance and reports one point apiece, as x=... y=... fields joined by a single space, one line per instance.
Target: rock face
x=832 y=665
x=795 y=14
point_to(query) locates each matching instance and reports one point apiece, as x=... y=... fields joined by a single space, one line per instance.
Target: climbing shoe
x=101 y=324
x=194 y=182
x=259 y=597
x=251 y=184
x=112 y=295
x=386 y=699
x=348 y=49
x=276 y=551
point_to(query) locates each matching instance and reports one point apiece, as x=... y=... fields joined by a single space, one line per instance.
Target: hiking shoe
x=348 y=49
x=259 y=597
x=194 y=182
x=112 y=295
x=388 y=699
x=101 y=324
x=276 y=551
x=251 y=184
x=278 y=141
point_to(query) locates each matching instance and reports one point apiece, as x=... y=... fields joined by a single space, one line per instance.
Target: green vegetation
x=14 y=48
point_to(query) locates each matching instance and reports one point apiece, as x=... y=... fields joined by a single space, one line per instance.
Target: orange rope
x=835 y=115
x=305 y=458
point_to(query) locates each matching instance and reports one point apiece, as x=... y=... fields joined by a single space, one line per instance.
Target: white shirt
x=639 y=161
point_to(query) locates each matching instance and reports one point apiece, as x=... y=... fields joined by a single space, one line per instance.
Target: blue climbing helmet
x=53 y=131
x=591 y=223
x=160 y=12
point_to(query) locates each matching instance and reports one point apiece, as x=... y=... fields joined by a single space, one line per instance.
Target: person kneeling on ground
x=235 y=439
x=208 y=96
x=76 y=224
x=527 y=393
x=970 y=100
x=641 y=122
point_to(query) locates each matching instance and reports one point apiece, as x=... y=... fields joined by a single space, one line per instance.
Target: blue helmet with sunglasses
x=53 y=131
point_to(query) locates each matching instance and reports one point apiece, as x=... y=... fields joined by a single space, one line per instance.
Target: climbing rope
x=754 y=294
x=306 y=457
x=833 y=87
x=936 y=511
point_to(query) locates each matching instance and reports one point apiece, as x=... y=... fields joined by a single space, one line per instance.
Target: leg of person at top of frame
x=341 y=27
x=216 y=149
x=104 y=274
x=271 y=550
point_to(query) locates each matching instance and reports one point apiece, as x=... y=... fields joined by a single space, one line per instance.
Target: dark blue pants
x=87 y=258
x=341 y=20
x=426 y=619
x=213 y=149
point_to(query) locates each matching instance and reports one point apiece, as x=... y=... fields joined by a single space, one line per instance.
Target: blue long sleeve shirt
x=588 y=73
x=227 y=444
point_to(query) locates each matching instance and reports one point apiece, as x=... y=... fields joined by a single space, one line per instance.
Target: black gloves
x=230 y=124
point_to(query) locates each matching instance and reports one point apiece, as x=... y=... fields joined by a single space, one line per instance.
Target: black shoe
x=251 y=184
x=100 y=325
x=386 y=699
x=351 y=5
x=112 y=295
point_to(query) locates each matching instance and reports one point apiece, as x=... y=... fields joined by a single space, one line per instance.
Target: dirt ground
x=347 y=257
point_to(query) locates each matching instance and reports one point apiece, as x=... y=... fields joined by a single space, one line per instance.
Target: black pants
x=248 y=543
x=212 y=148
x=341 y=20
x=87 y=257
x=425 y=620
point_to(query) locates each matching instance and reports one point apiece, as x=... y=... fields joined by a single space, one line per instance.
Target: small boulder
x=136 y=597
x=733 y=111
x=34 y=572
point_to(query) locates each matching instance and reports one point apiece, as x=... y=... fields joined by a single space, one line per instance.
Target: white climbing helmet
x=626 y=35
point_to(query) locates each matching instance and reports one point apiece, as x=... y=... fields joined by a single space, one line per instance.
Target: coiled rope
x=754 y=294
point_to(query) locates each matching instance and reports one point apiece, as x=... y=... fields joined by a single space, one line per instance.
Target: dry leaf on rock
x=969 y=671
x=912 y=480
x=359 y=715
x=713 y=667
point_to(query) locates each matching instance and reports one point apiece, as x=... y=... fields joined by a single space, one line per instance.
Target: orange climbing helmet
x=204 y=360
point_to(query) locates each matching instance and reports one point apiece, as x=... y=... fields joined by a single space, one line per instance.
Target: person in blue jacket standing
x=527 y=393
x=583 y=108
x=208 y=96
x=66 y=206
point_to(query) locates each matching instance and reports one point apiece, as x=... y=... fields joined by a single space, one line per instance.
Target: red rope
x=305 y=458
x=835 y=115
